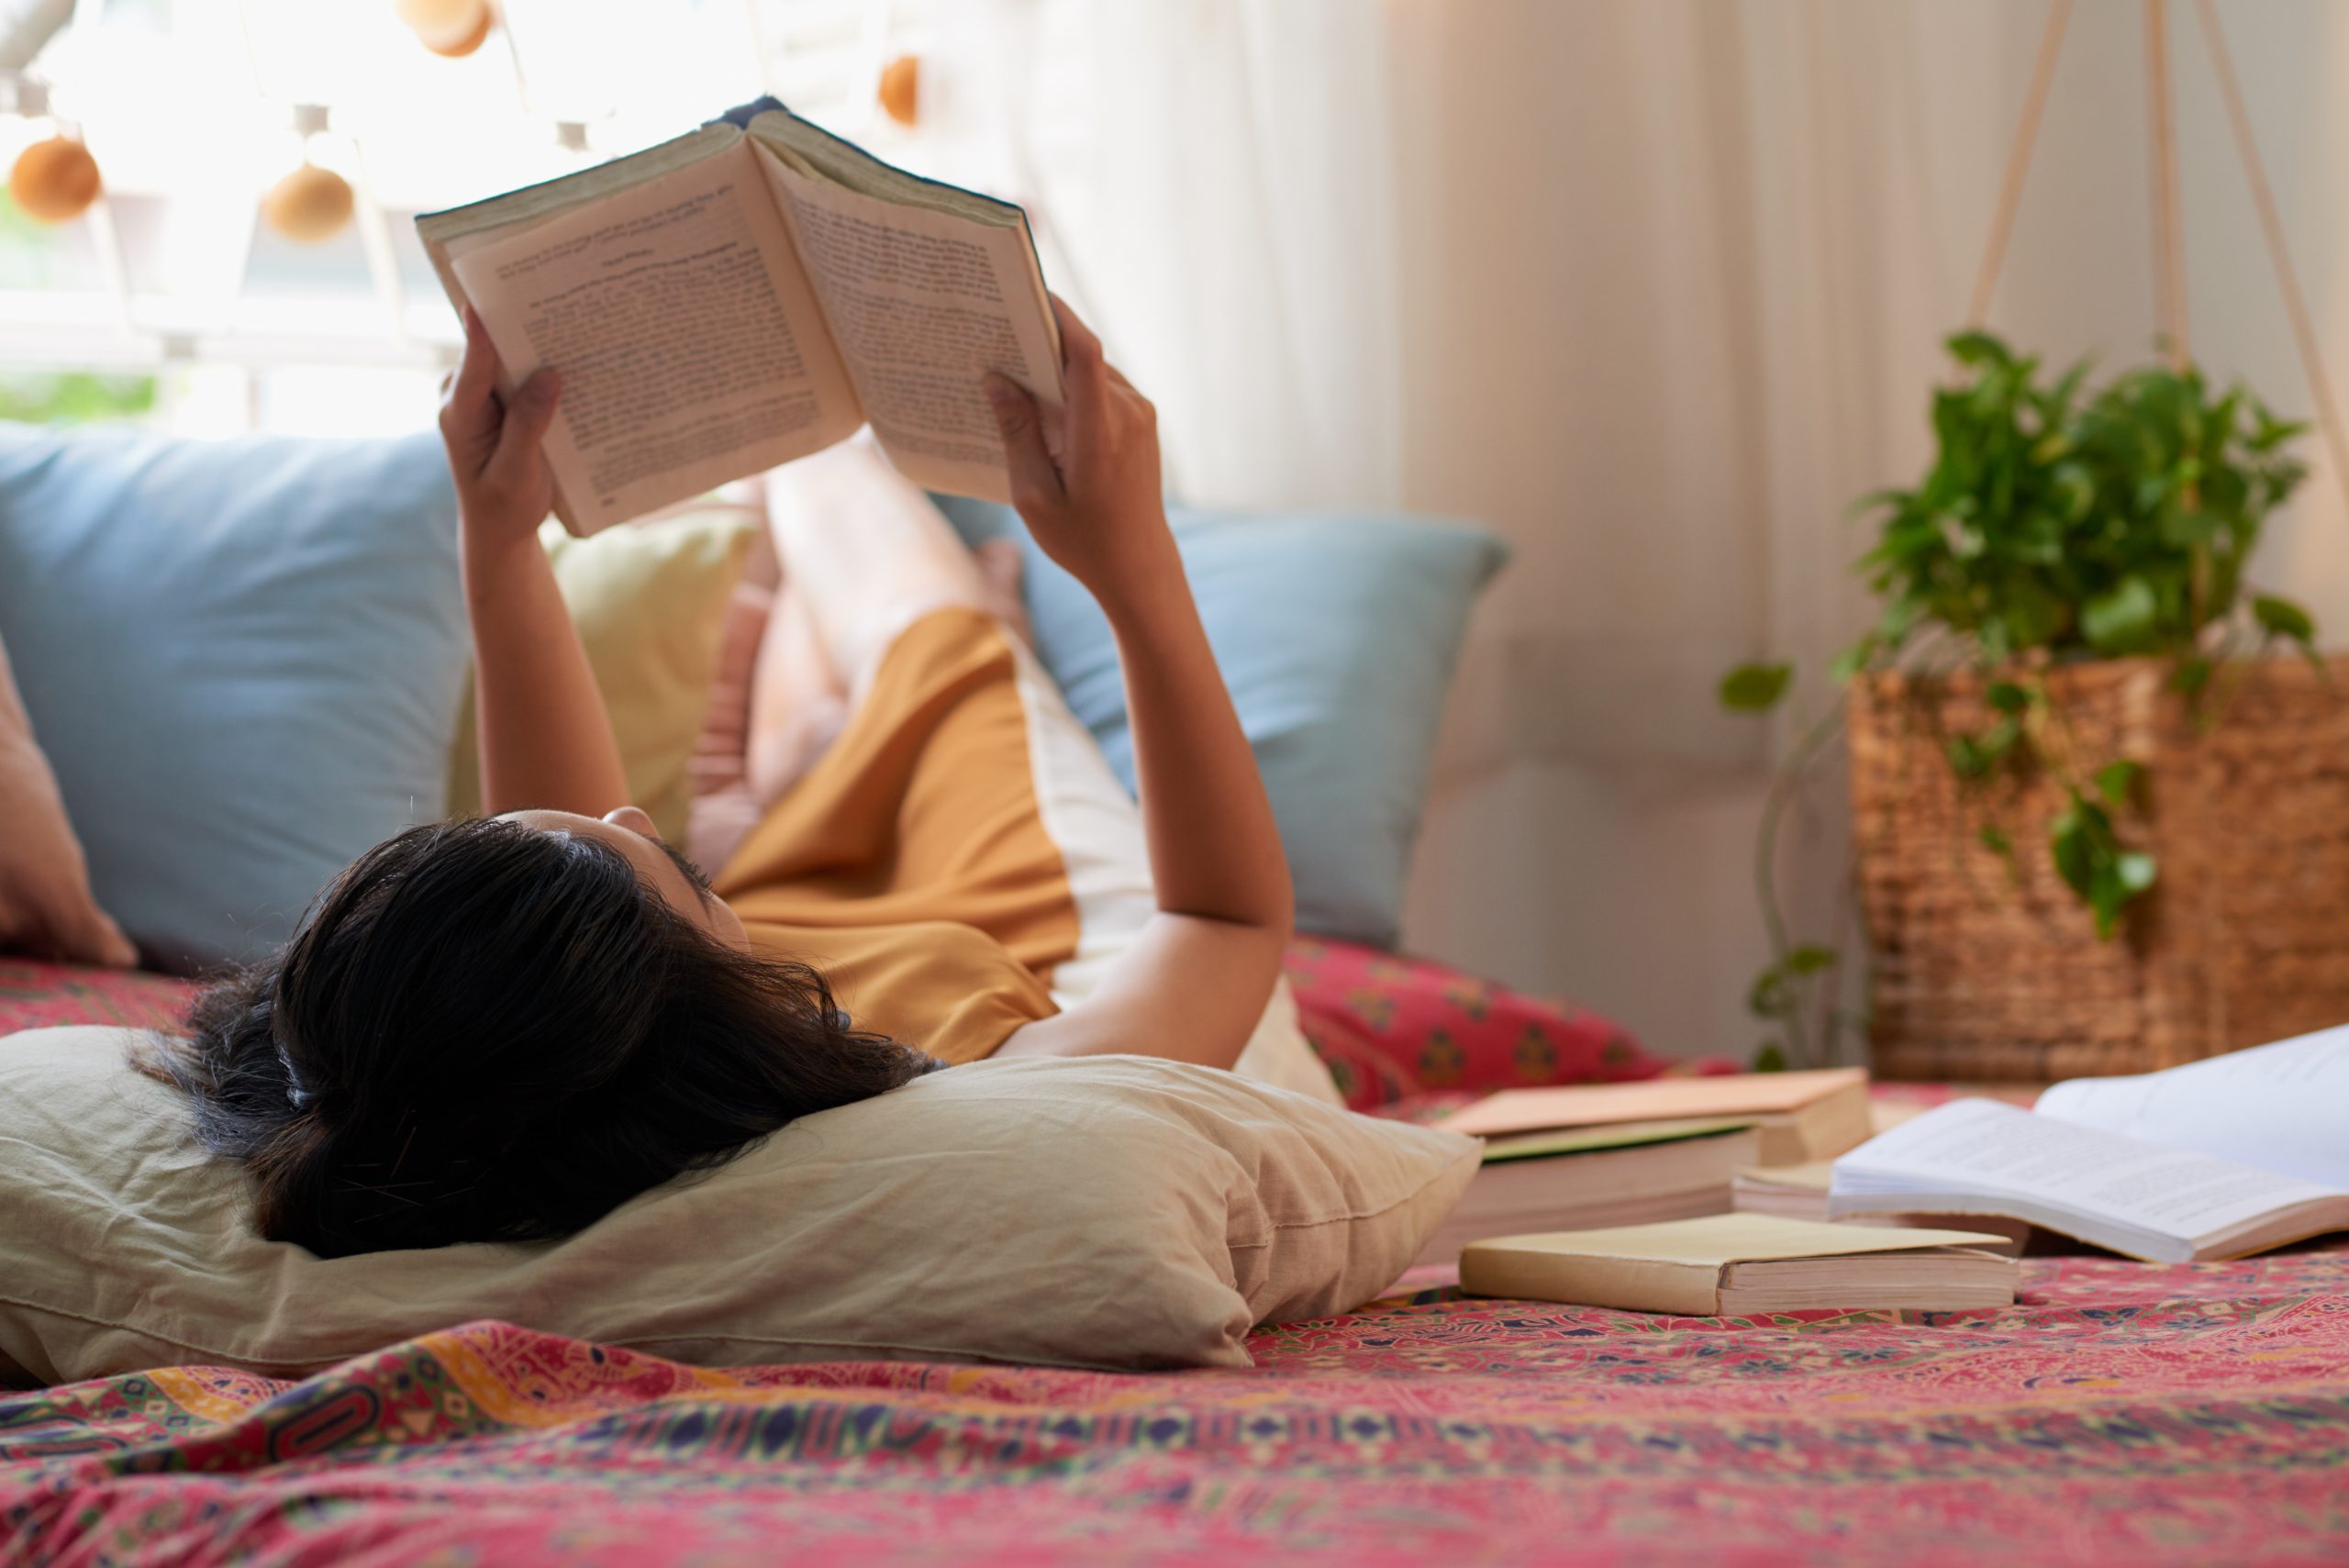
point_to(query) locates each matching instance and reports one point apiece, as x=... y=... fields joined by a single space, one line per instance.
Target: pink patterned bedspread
x=2121 y=1415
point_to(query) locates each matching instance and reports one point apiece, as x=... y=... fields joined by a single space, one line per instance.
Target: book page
x=458 y=231
x=1985 y=1147
x=922 y=306
x=691 y=348
x=2283 y=1107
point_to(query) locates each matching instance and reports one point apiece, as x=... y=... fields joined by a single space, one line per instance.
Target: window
x=173 y=299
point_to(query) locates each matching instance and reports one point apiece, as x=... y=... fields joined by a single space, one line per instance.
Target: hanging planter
x=2092 y=811
x=2100 y=824
x=2095 y=825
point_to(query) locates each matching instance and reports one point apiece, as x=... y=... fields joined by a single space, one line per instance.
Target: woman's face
x=658 y=866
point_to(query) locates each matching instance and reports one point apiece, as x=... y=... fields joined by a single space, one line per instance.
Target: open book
x=1800 y=1192
x=1744 y=1264
x=2150 y=1201
x=2283 y=1108
x=746 y=294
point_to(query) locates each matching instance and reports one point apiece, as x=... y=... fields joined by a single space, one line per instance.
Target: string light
x=310 y=205
x=451 y=27
x=901 y=89
x=55 y=179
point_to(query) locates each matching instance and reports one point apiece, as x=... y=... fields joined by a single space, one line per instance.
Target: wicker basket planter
x=1984 y=970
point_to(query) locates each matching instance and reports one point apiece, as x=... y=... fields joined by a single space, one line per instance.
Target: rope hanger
x=2169 y=232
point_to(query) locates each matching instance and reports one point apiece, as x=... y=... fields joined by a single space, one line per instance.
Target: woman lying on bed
x=505 y=1028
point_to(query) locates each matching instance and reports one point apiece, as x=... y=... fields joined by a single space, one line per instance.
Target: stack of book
x=1615 y=1154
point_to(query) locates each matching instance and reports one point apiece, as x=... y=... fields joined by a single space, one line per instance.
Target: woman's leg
x=921 y=804
x=797 y=701
x=867 y=553
x=864 y=554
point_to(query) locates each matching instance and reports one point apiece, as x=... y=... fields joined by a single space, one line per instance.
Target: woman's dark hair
x=485 y=1032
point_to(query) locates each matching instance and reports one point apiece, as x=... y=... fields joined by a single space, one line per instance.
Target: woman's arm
x=1196 y=980
x=545 y=742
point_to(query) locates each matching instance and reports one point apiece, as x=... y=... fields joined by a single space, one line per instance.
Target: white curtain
x=1231 y=220
x=1655 y=287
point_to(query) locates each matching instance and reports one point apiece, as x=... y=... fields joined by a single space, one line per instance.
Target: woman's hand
x=546 y=741
x=1086 y=481
x=505 y=488
x=1195 y=981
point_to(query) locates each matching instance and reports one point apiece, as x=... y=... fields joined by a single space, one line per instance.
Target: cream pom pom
x=309 y=205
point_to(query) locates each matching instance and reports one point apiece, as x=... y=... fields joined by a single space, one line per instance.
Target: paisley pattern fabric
x=2120 y=1414
x=1393 y=1030
x=35 y=996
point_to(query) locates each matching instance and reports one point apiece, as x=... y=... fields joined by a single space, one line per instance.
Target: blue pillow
x=243 y=657
x=1337 y=635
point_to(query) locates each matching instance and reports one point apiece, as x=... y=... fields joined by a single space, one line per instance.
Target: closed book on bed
x=1743 y=1264
x=1800 y=1116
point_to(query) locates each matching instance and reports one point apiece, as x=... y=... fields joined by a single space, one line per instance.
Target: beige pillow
x=46 y=905
x=1116 y=1212
x=649 y=601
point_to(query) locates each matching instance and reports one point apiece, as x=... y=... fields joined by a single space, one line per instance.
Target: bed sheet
x=2117 y=1413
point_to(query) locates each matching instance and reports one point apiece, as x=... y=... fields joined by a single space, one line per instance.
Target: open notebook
x=746 y=294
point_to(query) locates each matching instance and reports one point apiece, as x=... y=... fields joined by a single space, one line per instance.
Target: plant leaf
x=2121 y=621
x=2193 y=672
x=1770 y=1058
x=2092 y=864
x=2117 y=781
x=1755 y=689
x=2006 y=696
x=1978 y=349
x=2068 y=838
x=1808 y=959
x=2281 y=617
x=1994 y=839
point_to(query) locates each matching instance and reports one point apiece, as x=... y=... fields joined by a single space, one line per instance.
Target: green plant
x=2054 y=523
x=73 y=397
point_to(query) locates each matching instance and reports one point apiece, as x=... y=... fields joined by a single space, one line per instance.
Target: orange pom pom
x=309 y=206
x=54 y=180
x=451 y=27
x=901 y=88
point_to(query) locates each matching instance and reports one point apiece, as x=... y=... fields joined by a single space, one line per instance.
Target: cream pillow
x=1117 y=1212
x=46 y=905
x=649 y=601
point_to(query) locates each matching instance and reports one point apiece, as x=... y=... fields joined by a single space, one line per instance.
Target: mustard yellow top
x=910 y=866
